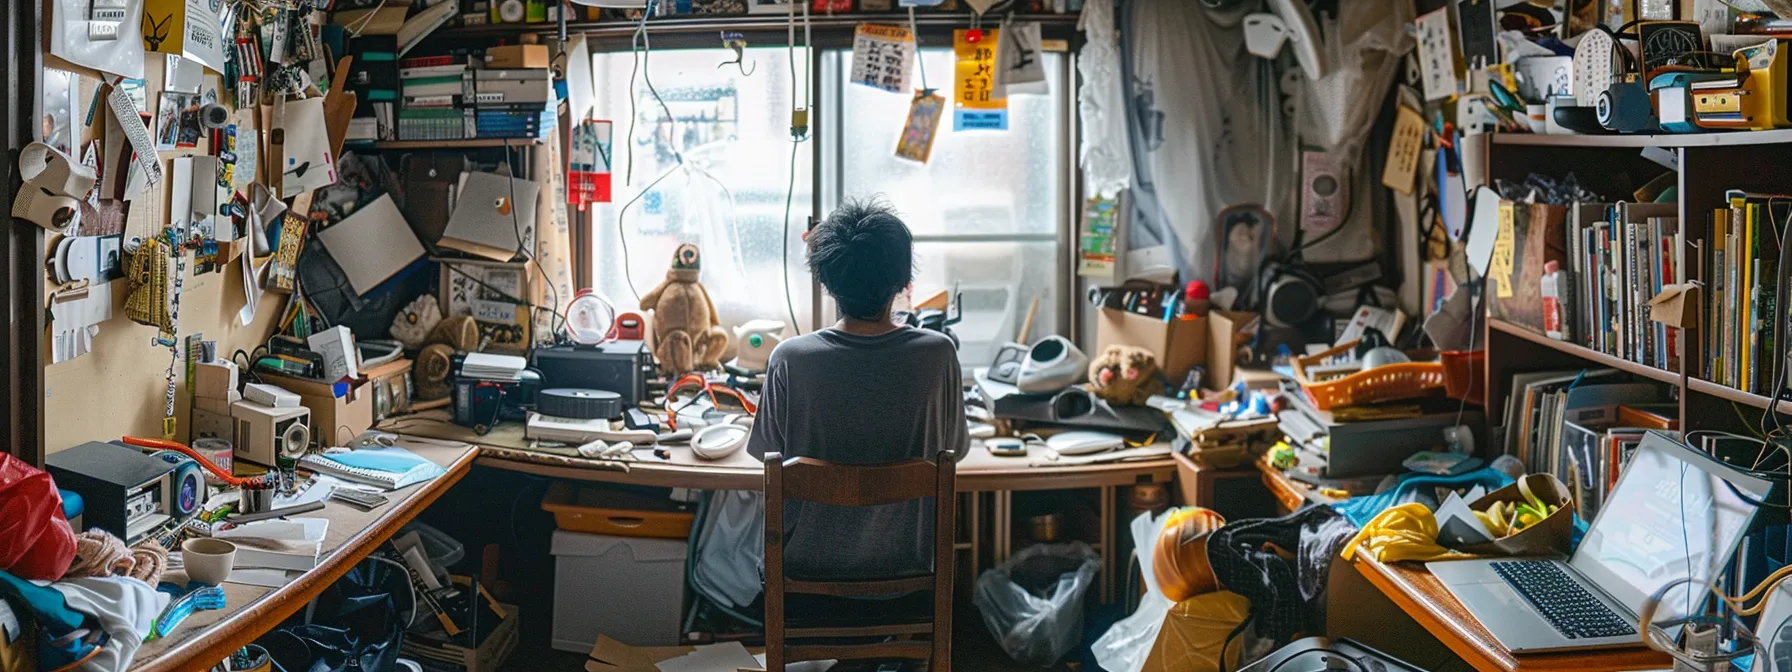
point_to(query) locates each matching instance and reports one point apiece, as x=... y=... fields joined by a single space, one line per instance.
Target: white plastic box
x=630 y=589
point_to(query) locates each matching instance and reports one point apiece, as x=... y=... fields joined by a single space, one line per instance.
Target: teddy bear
x=687 y=334
x=1122 y=375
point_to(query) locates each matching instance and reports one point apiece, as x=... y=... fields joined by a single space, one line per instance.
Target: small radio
x=128 y=493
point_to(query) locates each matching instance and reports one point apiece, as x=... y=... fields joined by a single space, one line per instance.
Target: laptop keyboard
x=1569 y=607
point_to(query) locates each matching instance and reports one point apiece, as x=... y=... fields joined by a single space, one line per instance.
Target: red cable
x=222 y=475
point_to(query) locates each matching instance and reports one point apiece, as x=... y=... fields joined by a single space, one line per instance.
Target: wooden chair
x=810 y=480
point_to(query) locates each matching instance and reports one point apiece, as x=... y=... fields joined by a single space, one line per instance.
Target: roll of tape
x=214 y=116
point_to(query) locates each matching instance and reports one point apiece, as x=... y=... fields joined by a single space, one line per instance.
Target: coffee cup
x=208 y=561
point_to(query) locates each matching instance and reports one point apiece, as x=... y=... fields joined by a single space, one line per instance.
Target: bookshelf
x=1709 y=164
x=452 y=145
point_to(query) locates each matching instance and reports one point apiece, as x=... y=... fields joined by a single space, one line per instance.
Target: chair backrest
x=811 y=480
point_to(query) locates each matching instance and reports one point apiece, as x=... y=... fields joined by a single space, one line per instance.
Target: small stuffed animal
x=1123 y=375
x=687 y=334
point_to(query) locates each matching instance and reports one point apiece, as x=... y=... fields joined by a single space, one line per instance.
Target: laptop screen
x=1671 y=517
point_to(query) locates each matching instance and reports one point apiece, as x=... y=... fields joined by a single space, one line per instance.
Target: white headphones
x=716 y=442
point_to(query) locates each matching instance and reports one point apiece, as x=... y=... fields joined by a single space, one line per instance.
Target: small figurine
x=687 y=334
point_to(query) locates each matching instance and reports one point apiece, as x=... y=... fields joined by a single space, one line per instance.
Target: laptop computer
x=1676 y=513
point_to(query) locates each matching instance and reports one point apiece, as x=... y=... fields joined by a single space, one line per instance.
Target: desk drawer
x=616 y=513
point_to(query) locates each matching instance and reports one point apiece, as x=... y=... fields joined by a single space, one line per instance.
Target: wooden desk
x=210 y=636
x=1424 y=598
x=978 y=472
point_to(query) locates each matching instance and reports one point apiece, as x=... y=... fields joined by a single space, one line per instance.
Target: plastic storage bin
x=1393 y=382
x=617 y=512
x=630 y=589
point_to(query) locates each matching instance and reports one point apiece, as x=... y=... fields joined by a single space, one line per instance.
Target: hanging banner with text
x=880 y=57
x=977 y=105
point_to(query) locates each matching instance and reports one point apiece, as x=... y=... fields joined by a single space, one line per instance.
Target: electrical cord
x=789 y=196
x=796 y=140
x=1354 y=663
x=406 y=573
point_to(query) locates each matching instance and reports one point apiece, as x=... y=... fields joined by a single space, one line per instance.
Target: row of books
x=1620 y=256
x=445 y=99
x=1744 y=251
x=1580 y=424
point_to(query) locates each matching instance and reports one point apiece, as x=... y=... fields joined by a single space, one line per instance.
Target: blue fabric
x=54 y=620
x=1360 y=510
x=72 y=504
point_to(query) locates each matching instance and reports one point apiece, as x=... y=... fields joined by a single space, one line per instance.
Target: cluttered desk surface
x=978 y=471
x=252 y=610
x=1425 y=599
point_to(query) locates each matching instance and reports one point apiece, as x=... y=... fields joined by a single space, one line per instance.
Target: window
x=728 y=197
x=987 y=210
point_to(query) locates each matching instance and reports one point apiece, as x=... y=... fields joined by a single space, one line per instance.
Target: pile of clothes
x=69 y=599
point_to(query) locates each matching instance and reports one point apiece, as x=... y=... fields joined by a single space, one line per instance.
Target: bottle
x=1555 y=302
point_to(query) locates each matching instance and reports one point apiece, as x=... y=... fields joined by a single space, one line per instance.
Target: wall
x=117 y=389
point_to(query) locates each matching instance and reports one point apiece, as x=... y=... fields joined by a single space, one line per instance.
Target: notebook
x=389 y=468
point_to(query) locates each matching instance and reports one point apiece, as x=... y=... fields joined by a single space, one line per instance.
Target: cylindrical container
x=253 y=500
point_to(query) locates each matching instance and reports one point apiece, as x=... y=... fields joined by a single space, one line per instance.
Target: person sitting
x=868 y=390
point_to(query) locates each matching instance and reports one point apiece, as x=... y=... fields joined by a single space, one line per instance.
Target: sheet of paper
x=107 y=38
x=1484 y=232
x=1457 y=524
x=1403 y=150
x=881 y=56
x=713 y=658
x=1437 y=65
x=1020 y=64
x=372 y=244
x=308 y=163
x=977 y=104
x=251 y=285
x=181 y=75
x=580 y=88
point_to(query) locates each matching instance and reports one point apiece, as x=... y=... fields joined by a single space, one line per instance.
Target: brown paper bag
x=1550 y=537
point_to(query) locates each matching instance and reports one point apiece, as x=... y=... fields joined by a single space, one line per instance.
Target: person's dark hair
x=864 y=255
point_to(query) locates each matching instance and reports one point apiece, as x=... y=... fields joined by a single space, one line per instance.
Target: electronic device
x=365 y=501
x=1290 y=296
x=1625 y=107
x=755 y=340
x=187 y=486
x=265 y=435
x=1318 y=654
x=1671 y=504
x=128 y=493
x=1006 y=446
x=578 y=404
x=1084 y=442
x=1672 y=96
x=481 y=404
x=1074 y=406
x=1052 y=364
x=719 y=441
x=938 y=320
x=1008 y=361
x=621 y=366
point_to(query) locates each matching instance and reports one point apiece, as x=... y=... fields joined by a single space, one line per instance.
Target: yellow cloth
x=1195 y=632
x=1404 y=532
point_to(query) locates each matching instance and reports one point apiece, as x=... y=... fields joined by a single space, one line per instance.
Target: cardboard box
x=517 y=56
x=339 y=411
x=489 y=656
x=215 y=380
x=1180 y=345
x=215 y=404
x=1223 y=338
x=609 y=655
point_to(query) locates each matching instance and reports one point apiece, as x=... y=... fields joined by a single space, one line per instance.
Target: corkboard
x=117 y=389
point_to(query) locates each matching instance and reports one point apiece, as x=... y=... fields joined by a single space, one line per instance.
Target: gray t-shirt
x=853 y=399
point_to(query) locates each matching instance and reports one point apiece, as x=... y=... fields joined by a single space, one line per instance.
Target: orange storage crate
x=1465 y=375
x=616 y=513
x=1393 y=382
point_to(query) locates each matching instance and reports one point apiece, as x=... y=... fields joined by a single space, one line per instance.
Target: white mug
x=208 y=561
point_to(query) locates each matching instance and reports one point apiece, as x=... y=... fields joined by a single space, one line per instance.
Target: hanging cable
x=799 y=131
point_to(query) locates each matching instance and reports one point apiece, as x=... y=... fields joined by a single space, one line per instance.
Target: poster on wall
x=977 y=105
x=881 y=57
x=189 y=28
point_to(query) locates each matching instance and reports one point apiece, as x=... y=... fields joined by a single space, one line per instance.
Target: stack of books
x=446 y=98
x=1743 y=266
x=1619 y=257
x=1581 y=426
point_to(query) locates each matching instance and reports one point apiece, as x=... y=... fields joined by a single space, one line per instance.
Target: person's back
x=863 y=392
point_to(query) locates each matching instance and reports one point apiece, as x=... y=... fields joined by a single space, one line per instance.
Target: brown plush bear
x=687 y=334
x=1123 y=375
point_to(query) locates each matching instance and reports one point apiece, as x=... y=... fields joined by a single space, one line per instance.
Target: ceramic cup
x=208 y=561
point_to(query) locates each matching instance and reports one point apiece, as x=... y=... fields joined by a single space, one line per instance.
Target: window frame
x=834 y=34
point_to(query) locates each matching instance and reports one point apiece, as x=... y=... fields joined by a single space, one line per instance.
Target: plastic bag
x=1124 y=647
x=1033 y=602
x=1194 y=634
x=36 y=543
x=357 y=624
